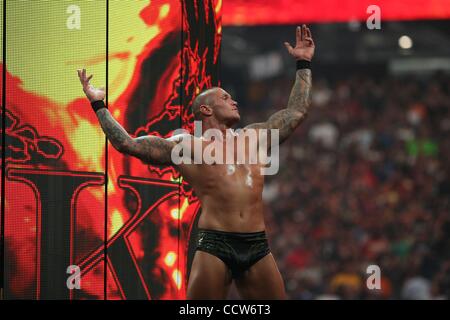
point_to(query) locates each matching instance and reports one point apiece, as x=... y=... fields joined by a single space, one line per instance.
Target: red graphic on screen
x=263 y=12
x=150 y=210
x=24 y=145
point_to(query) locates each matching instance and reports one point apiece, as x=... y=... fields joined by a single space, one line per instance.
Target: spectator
x=364 y=181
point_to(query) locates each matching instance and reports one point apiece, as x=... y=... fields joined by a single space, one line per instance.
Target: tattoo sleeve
x=149 y=149
x=286 y=120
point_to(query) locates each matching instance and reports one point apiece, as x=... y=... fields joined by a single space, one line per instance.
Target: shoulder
x=180 y=137
x=256 y=126
x=184 y=140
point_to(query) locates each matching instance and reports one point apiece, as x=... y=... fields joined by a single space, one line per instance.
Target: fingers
x=303 y=33
x=310 y=41
x=82 y=75
x=308 y=33
x=288 y=47
x=308 y=37
x=298 y=35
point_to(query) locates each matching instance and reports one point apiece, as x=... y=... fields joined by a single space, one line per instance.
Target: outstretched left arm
x=288 y=119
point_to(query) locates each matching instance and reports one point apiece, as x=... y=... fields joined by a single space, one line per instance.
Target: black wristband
x=303 y=64
x=97 y=105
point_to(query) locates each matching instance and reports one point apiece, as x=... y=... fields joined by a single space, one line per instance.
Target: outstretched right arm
x=149 y=149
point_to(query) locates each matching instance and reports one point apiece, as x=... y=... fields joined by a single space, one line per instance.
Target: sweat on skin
x=217 y=110
x=213 y=153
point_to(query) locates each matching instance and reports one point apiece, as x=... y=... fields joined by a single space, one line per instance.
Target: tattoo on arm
x=299 y=103
x=287 y=120
x=300 y=98
x=150 y=149
x=117 y=135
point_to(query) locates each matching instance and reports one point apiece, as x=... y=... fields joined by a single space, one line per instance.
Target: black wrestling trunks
x=239 y=251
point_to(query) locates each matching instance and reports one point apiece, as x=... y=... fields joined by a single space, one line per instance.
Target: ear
x=206 y=110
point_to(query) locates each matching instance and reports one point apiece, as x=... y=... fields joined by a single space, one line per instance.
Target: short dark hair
x=203 y=98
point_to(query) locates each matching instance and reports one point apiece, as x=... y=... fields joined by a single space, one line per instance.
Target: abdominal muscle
x=231 y=219
x=230 y=196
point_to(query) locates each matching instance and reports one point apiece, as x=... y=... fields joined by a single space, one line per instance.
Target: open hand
x=304 y=48
x=92 y=93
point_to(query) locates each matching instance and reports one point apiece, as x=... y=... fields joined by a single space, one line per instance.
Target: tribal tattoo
x=149 y=149
x=288 y=119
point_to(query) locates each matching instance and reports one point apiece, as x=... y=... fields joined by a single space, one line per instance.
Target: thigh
x=209 y=277
x=262 y=281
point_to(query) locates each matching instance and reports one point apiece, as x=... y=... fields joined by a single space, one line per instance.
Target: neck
x=212 y=123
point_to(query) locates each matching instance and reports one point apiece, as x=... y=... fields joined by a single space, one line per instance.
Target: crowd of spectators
x=363 y=181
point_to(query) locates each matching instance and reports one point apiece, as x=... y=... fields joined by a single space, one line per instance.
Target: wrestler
x=231 y=241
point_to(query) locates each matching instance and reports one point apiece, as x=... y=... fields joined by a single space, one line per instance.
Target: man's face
x=224 y=107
